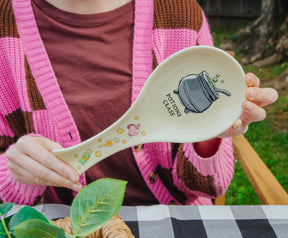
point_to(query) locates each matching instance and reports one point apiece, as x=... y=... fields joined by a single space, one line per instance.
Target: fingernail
x=73 y=178
x=250 y=78
x=237 y=123
x=76 y=187
x=247 y=105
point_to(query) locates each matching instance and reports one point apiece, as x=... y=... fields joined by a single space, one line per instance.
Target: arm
x=256 y=99
x=203 y=153
x=213 y=159
x=207 y=177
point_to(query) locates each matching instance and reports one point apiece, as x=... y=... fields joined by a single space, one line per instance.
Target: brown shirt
x=92 y=59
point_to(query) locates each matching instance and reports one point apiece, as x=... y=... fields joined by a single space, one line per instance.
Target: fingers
x=239 y=127
x=38 y=174
x=43 y=155
x=261 y=96
x=252 y=113
x=252 y=80
x=31 y=161
x=256 y=98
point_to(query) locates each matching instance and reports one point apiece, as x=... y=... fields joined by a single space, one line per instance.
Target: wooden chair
x=266 y=186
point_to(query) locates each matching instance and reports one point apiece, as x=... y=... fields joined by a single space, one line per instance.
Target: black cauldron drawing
x=197 y=92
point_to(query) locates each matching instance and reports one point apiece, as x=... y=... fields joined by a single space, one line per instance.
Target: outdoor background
x=230 y=22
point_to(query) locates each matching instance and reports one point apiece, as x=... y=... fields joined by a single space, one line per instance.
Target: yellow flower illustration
x=120 y=130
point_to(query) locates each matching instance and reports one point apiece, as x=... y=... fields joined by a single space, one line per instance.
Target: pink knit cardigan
x=154 y=40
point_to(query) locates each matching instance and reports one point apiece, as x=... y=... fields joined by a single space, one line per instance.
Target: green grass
x=280 y=106
x=268 y=72
x=268 y=139
x=220 y=34
x=276 y=70
x=272 y=147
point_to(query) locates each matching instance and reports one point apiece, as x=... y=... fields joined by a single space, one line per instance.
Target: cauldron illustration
x=197 y=92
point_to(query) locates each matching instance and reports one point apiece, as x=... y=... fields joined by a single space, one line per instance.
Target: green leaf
x=2 y=229
x=24 y=214
x=95 y=205
x=36 y=228
x=5 y=207
x=68 y=235
x=2 y=232
x=3 y=235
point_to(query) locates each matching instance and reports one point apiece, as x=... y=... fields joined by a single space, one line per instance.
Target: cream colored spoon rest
x=194 y=95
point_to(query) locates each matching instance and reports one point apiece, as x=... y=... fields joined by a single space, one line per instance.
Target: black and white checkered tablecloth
x=196 y=221
x=207 y=221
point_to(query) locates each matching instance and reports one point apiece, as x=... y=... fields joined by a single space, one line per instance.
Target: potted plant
x=93 y=213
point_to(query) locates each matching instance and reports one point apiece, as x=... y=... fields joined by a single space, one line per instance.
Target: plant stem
x=68 y=235
x=5 y=227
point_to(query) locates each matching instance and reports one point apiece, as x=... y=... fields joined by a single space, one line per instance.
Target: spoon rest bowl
x=193 y=95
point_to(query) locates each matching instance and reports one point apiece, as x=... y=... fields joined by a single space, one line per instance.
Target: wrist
x=207 y=148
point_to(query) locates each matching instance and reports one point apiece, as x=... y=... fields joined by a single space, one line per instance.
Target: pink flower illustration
x=133 y=130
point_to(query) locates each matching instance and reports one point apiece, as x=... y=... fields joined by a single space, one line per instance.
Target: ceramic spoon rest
x=194 y=95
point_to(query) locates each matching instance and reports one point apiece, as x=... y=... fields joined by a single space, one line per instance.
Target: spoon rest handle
x=122 y=134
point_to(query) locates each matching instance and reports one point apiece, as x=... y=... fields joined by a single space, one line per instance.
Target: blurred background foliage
x=228 y=20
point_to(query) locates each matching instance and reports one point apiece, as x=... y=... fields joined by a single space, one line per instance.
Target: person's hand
x=31 y=161
x=256 y=99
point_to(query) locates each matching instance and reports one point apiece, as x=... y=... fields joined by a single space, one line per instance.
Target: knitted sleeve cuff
x=208 y=177
x=14 y=191
x=211 y=165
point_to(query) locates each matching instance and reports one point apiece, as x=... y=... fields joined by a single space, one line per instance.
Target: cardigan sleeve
x=204 y=36
x=14 y=191
x=208 y=177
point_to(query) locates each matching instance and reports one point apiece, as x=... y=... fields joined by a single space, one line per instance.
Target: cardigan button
x=153 y=177
x=138 y=147
x=173 y=202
